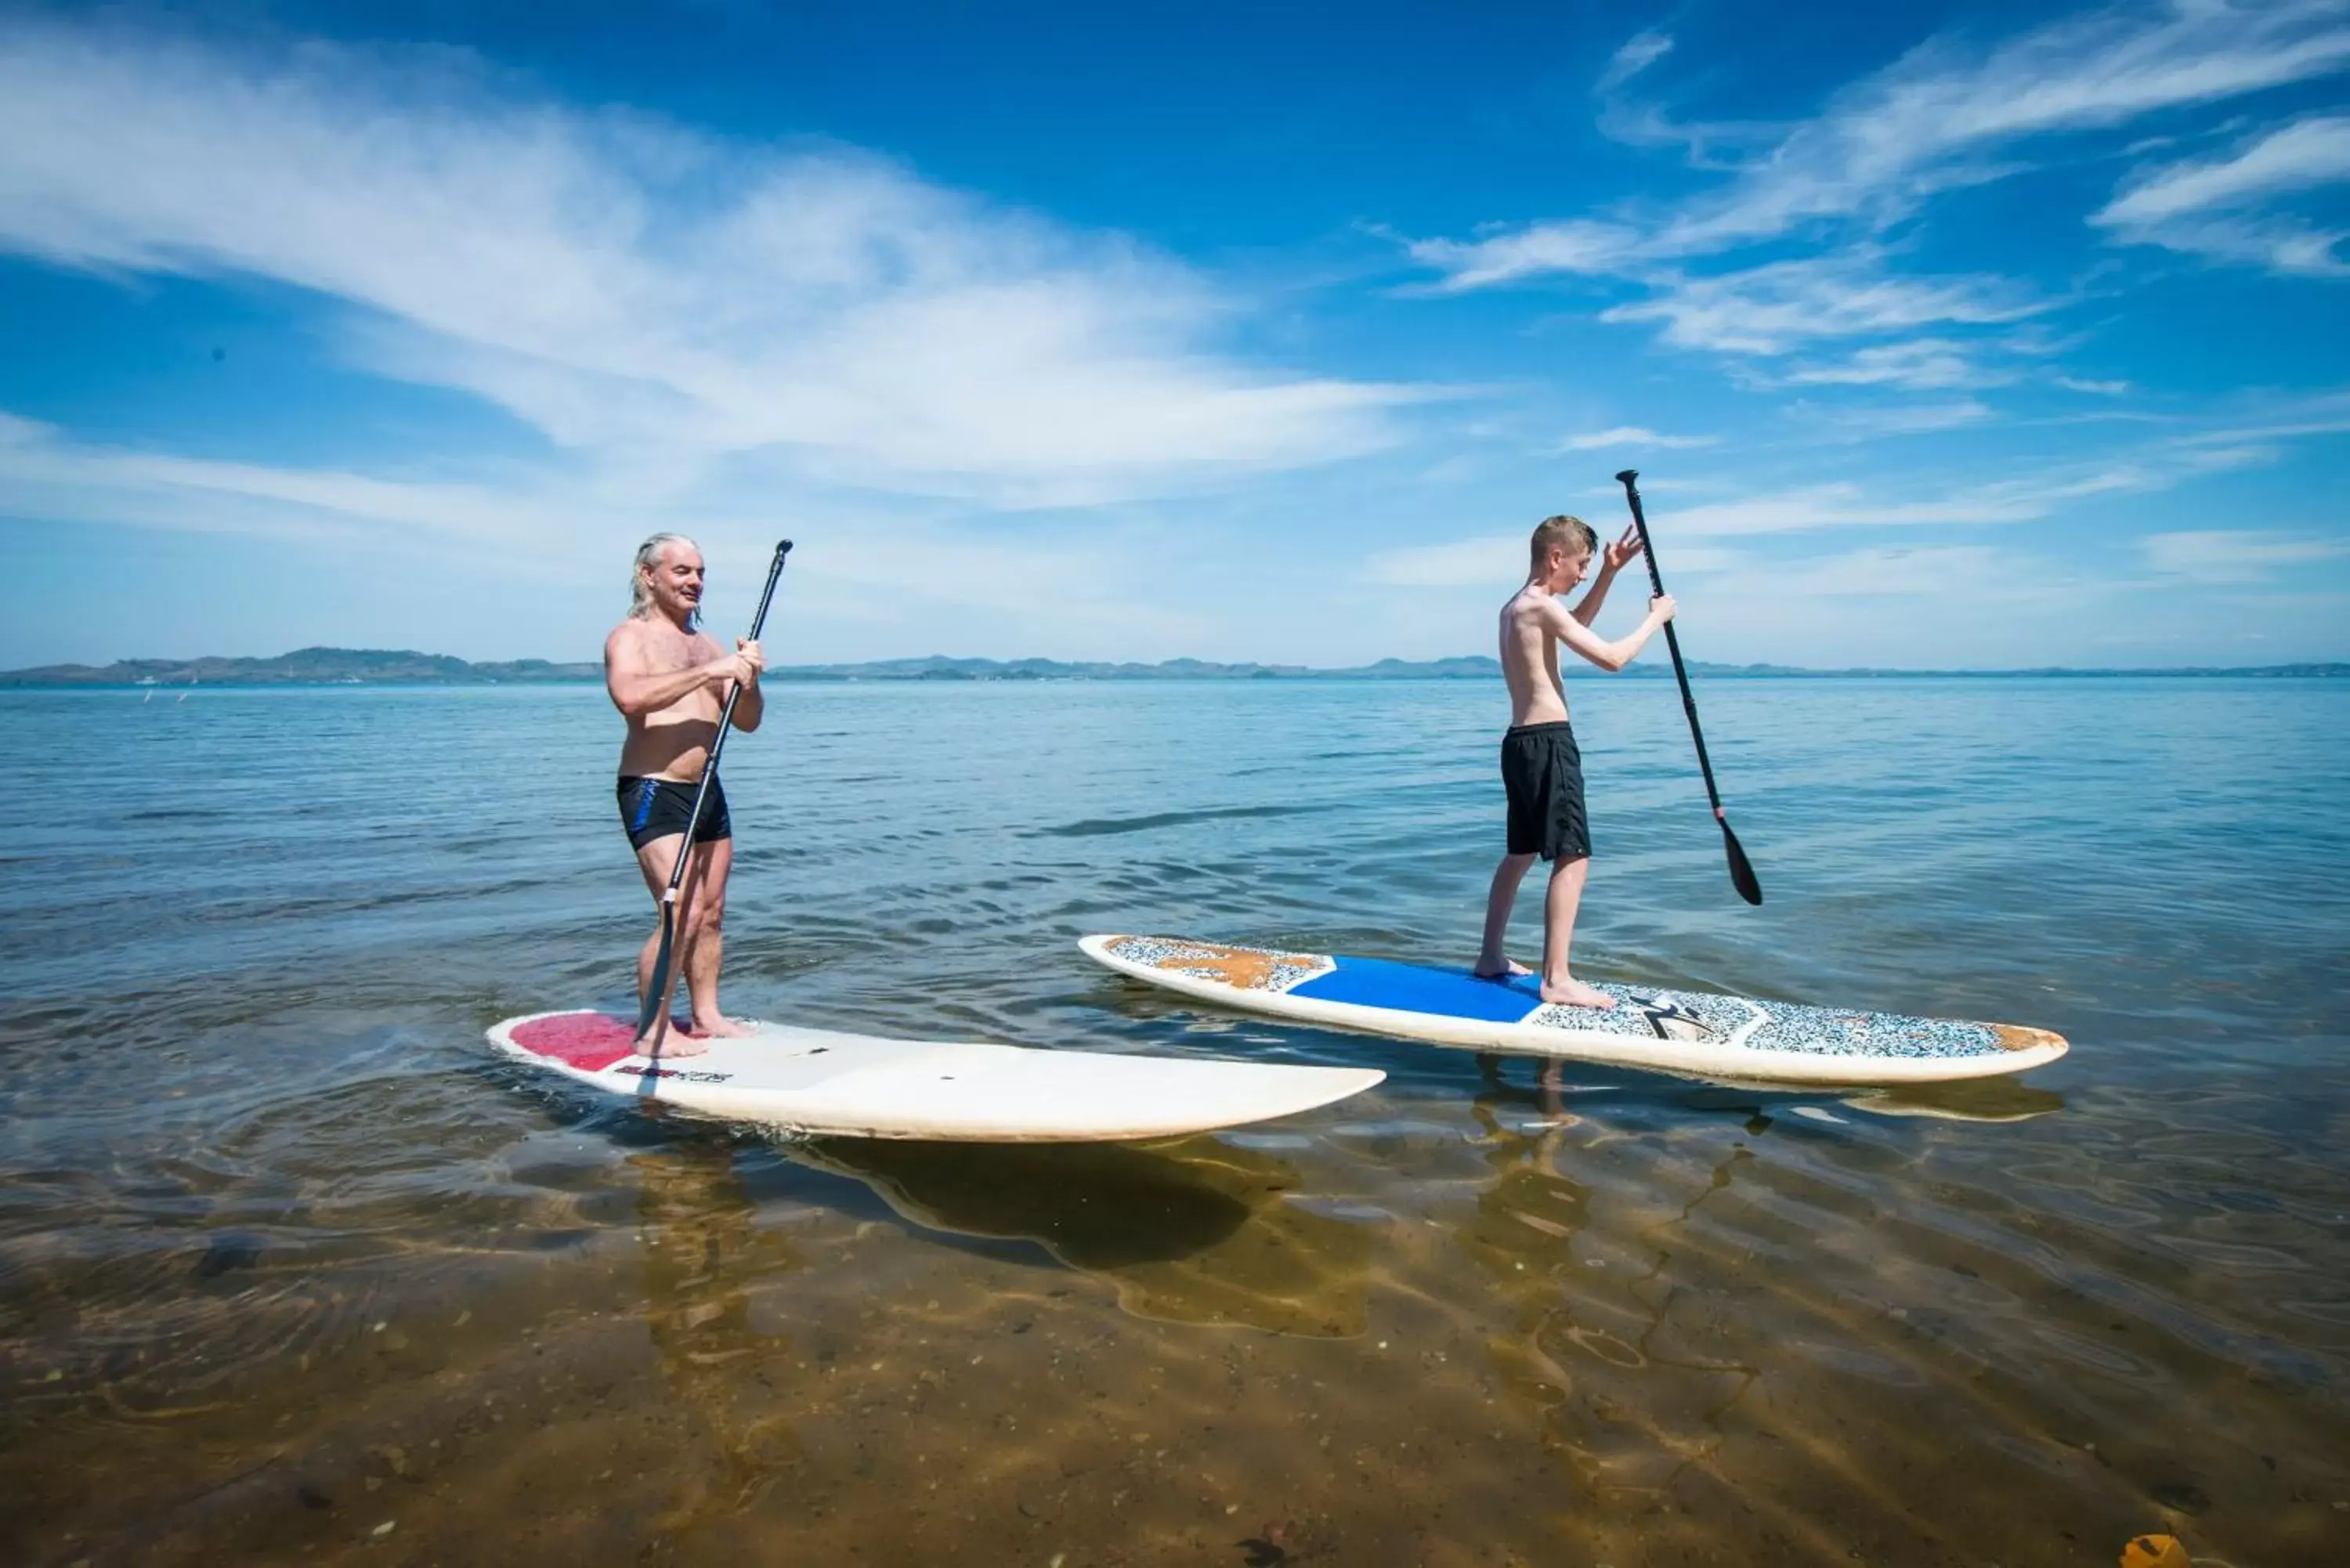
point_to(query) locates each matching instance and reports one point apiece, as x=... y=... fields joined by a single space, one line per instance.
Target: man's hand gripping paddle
x=1742 y=873
x=664 y=975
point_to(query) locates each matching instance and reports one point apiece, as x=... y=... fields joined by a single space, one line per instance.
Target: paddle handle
x=1629 y=479
x=725 y=723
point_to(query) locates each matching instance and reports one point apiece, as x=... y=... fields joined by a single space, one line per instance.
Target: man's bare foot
x=723 y=1028
x=1574 y=993
x=670 y=1041
x=1510 y=968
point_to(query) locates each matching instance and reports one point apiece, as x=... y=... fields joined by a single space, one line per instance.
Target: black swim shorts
x=657 y=809
x=1543 y=771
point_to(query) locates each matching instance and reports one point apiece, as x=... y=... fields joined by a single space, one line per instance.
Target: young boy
x=1541 y=768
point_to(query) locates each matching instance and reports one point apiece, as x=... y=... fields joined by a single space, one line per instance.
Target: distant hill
x=302 y=667
x=373 y=667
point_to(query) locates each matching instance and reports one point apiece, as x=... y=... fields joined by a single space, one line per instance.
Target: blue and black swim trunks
x=654 y=808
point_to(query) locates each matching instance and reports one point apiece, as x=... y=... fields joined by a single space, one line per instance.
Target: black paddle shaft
x=1741 y=872
x=657 y=993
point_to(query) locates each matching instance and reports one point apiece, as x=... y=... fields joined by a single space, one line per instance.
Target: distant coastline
x=376 y=667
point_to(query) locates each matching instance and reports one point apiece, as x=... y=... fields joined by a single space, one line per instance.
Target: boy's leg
x=1559 y=907
x=1490 y=962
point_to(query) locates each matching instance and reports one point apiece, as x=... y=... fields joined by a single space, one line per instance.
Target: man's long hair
x=640 y=593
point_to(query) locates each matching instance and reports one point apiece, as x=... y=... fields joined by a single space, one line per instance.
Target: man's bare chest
x=666 y=655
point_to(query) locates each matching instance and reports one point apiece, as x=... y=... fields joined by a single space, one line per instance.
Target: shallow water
x=292 y=1269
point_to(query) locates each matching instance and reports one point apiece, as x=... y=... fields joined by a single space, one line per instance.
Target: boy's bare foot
x=1510 y=966
x=1574 y=993
x=723 y=1028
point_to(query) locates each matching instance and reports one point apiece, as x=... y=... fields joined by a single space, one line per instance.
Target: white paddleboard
x=860 y=1085
x=1699 y=1032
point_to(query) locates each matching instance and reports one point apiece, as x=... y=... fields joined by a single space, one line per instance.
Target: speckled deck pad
x=1643 y=1013
x=1705 y=1016
x=1243 y=969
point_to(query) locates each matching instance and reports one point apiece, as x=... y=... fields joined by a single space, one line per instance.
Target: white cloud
x=2027 y=496
x=644 y=294
x=549 y=528
x=1773 y=308
x=1639 y=52
x=2099 y=389
x=1575 y=245
x=1930 y=122
x=1632 y=435
x=2213 y=207
x=1894 y=571
x=2235 y=554
x=1495 y=560
x=1498 y=561
x=1921 y=364
x=1871 y=420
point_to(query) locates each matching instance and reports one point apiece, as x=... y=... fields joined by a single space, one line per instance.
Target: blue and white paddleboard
x=1699 y=1032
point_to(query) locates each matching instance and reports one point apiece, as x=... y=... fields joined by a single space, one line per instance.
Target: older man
x=669 y=678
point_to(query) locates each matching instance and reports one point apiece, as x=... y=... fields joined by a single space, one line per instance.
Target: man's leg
x=1491 y=962
x=705 y=940
x=655 y=860
x=1559 y=907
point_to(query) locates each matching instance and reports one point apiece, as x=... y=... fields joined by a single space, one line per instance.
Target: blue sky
x=1952 y=336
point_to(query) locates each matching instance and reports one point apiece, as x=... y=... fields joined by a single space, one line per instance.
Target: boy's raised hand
x=1619 y=555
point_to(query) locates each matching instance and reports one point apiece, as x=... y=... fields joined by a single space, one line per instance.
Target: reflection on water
x=1978 y=1100
x=292 y=1270
x=702 y=1253
x=1195 y=1231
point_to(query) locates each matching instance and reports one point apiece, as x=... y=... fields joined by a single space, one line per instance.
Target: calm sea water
x=292 y=1269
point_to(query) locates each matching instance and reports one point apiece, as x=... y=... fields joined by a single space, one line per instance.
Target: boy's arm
x=1595 y=596
x=1611 y=561
x=1610 y=656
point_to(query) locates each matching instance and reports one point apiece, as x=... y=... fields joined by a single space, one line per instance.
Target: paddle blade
x=656 y=993
x=1741 y=870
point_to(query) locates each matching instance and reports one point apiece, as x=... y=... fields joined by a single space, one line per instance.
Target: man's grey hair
x=648 y=557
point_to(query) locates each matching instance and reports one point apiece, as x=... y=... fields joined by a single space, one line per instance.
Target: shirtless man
x=1541 y=768
x=668 y=680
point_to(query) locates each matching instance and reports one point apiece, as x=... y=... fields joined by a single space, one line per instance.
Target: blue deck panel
x=1411 y=988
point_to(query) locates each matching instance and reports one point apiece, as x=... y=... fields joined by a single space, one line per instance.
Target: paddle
x=1742 y=873
x=656 y=1003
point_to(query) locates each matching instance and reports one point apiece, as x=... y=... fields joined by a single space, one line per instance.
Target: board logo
x=682 y=1074
x=1668 y=1020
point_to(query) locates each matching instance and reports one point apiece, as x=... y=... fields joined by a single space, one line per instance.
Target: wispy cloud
x=1921 y=364
x=1943 y=116
x=2220 y=207
x=639 y=292
x=542 y=527
x=1630 y=436
x=2235 y=554
x=1492 y=560
x=1950 y=114
x=1870 y=421
x=1499 y=560
x=1776 y=307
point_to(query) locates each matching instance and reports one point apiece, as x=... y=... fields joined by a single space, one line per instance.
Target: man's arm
x=1610 y=656
x=754 y=705
x=637 y=690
